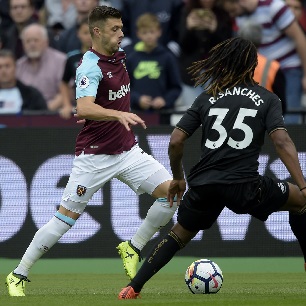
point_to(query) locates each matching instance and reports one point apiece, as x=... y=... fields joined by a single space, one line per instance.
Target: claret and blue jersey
x=106 y=79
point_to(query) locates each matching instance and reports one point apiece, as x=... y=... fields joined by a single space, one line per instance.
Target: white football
x=204 y=276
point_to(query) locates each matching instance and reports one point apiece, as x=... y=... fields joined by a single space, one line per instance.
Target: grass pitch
x=91 y=282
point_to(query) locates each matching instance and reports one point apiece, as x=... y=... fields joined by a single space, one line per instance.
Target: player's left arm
x=295 y=32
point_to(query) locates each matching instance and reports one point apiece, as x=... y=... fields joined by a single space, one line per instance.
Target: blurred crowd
x=42 y=42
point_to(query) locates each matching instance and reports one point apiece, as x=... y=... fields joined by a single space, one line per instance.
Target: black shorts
x=201 y=205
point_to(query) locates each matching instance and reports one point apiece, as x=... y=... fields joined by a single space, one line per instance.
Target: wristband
x=303 y=188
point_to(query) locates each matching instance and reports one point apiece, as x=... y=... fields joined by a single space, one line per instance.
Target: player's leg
x=145 y=175
x=276 y=195
x=159 y=214
x=298 y=227
x=297 y=218
x=74 y=201
x=193 y=215
x=160 y=255
x=41 y=243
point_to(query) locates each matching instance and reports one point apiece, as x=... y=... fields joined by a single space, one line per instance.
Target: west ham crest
x=81 y=190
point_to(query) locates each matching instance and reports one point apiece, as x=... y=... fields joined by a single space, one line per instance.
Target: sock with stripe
x=43 y=240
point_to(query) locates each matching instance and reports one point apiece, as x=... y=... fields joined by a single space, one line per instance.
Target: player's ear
x=96 y=31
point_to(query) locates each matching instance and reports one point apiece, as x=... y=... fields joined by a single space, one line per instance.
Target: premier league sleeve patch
x=81 y=190
x=84 y=82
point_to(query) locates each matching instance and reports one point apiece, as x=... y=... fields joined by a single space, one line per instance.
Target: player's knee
x=72 y=208
x=161 y=190
x=160 y=213
x=296 y=202
x=299 y=209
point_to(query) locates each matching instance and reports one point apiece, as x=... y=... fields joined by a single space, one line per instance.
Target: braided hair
x=229 y=63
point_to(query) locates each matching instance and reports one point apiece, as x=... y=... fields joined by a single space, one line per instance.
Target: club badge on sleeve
x=81 y=190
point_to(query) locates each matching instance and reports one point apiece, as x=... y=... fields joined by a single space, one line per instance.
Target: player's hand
x=80 y=121
x=128 y=119
x=176 y=188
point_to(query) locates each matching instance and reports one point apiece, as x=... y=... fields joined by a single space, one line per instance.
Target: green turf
x=91 y=282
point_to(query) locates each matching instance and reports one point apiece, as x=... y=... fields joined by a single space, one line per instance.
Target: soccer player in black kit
x=234 y=113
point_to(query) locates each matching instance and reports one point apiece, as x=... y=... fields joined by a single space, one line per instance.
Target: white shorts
x=139 y=170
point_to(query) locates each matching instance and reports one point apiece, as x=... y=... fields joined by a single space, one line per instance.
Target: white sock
x=157 y=217
x=42 y=241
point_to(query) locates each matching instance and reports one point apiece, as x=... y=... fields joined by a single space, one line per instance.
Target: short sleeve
x=88 y=76
x=274 y=118
x=191 y=120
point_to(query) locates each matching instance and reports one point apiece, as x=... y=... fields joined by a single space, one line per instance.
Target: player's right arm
x=286 y=150
x=87 y=109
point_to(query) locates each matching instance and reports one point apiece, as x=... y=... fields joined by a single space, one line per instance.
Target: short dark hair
x=7 y=53
x=100 y=14
x=229 y=63
x=31 y=3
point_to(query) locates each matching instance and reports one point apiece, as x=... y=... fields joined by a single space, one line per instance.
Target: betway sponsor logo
x=113 y=95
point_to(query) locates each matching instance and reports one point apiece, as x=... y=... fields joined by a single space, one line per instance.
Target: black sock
x=159 y=256
x=298 y=226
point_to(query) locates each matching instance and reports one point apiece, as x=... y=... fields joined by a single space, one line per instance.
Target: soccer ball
x=203 y=276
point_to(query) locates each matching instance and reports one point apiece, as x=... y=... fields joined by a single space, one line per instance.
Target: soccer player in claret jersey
x=105 y=149
x=234 y=113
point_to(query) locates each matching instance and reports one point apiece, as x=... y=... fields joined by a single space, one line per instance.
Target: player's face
x=110 y=36
x=7 y=71
x=149 y=36
x=20 y=10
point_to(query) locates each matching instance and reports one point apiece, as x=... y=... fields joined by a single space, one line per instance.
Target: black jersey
x=73 y=60
x=233 y=131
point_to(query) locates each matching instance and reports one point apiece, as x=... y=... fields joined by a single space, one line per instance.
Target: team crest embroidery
x=81 y=190
x=84 y=82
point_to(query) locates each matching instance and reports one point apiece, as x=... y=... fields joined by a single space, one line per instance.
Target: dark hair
x=229 y=63
x=100 y=14
x=193 y=4
x=30 y=2
x=7 y=53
